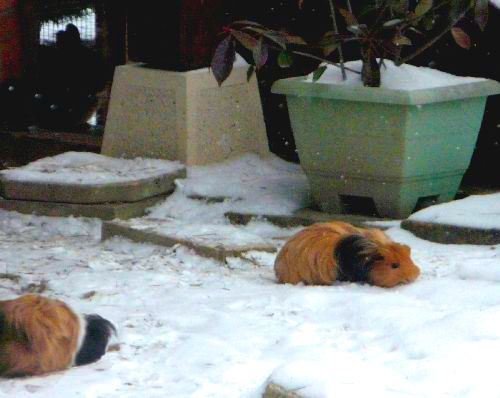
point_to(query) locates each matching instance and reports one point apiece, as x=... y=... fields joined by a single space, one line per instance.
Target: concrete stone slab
x=442 y=233
x=274 y=390
x=87 y=193
x=303 y=217
x=104 y=211
x=166 y=233
x=183 y=116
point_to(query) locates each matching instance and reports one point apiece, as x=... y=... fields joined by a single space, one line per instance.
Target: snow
x=190 y=327
x=405 y=77
x=88 y=168
x=248 y=184
x=476 y=211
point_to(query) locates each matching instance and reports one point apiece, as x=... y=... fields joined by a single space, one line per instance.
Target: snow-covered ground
x=90 y=169
x=477 y=211
x=190 y=327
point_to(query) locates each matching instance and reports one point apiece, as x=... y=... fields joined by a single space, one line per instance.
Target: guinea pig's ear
x=355 y=256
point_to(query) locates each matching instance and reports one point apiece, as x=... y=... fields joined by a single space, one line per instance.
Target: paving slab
x=274 y=390
x=303 y=217
x=452 y=234
x=85 y=178
x=212 y=241
x=104 y=211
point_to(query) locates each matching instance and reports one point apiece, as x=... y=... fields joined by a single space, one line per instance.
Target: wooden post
x=11 y=54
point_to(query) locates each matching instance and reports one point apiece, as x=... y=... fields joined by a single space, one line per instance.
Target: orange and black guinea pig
x=39 y=335
x=338 y=251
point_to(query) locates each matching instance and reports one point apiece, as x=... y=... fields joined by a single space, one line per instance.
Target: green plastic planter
x=394 y=147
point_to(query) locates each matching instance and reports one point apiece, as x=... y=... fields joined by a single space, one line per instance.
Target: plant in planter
x=375 y=129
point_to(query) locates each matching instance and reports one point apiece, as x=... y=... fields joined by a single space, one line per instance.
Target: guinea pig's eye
x=395 y=265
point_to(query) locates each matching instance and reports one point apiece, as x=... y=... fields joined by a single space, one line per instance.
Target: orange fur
x=38 y=335
x=308 y=256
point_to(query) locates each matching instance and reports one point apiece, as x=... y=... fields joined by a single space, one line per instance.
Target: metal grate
x=86 y=25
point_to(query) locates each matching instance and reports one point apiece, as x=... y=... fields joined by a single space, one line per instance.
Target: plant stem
x=349 y=8
x=445 y=30
x=336 y=30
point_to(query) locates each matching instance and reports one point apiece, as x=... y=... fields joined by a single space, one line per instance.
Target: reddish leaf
x=481 y=13
x=328 y=43
x=247 y=23
x=400 y=40
x=293 y=39
x=461 y=38
x=248 y=41
x=223 y=60
x=260 y=54
x=350 y=19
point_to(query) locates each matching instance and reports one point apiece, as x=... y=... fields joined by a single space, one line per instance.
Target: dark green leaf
x=285 y=59
x=276 y=37
x=457 y=7
x=481 y=13
x=260 y=54
x=319 y=72
x=423 y=7
x=399 y=7
x=250 y=72
x=223 y=59
x=272 y=35
x=428 y=22
x=392 y=23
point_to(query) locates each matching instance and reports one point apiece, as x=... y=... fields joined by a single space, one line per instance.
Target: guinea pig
x=39 y=335
x=338 y=251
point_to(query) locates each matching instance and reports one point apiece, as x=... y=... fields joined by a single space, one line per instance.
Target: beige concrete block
x=183 y=116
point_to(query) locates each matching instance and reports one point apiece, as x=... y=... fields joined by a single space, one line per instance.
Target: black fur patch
x=97 y=335
x=353 y=259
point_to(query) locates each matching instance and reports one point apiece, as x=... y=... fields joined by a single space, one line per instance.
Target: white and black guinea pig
x=39 y=335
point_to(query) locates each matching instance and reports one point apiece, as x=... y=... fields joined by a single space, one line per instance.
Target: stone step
x=104 y=211
x=452 y=234
x=218 y=242
x=88 y=178
x=304 y=217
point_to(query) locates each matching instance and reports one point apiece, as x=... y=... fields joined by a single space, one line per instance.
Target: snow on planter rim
x=476 y=211
x=404 y=77
x=88 y=168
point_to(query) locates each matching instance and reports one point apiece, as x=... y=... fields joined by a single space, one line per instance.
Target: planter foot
x=395 y=207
